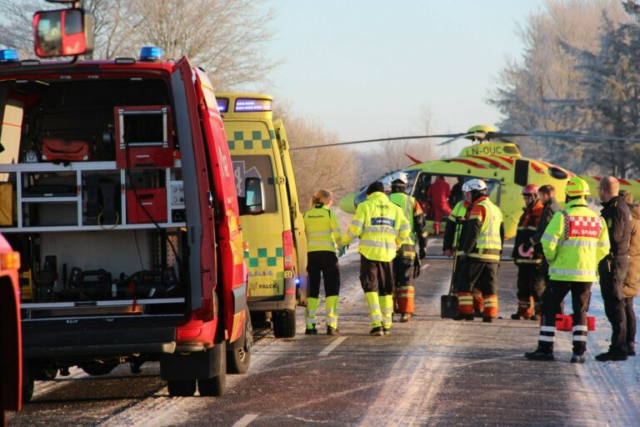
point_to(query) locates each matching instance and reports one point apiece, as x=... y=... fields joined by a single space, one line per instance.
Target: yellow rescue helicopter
x=496 y=160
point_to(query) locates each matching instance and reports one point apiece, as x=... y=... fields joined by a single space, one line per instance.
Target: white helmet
x=399 y=176
x=474 y=184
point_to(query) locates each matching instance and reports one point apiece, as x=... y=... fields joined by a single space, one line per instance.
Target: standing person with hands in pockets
x=323 y=238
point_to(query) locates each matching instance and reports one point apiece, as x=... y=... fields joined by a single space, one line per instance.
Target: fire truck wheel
x=284 y=324
x=28 y=382
x=181 y=388
x=239 y=357
x=216 y=386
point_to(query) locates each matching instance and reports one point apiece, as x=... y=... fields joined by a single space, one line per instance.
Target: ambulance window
x=256 y=166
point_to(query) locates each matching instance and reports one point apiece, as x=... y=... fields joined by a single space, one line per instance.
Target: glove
x=423 y=253
x=343 y=251
x=525 y=253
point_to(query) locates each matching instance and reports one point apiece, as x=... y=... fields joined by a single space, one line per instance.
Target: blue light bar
x=9 y=55
x=151 y=53
x=248 y=105
x=223 y=104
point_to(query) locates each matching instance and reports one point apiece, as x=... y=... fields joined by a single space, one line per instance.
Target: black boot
x=541 y=353
x=613 y=355
x=468 y=317
x=631 y=349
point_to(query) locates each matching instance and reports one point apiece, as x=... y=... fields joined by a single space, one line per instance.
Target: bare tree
x=227 y=37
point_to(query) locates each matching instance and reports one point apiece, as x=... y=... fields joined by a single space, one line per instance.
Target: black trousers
x=376 y=276
x=403 y=268
x=552 y=297
x=531 y=282
x=612 y=275
x=631 y=320
x=323 y=264
x=478 y=274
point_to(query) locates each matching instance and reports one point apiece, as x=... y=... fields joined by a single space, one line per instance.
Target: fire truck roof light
x=9 y=55
x=151 y=53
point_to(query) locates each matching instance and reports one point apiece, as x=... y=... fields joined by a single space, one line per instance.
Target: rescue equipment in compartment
x=152 y=205
x=54 y=149
x=147 y=284
x=144 y=137
x=87 y=285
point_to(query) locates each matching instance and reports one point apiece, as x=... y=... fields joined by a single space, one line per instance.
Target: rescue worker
x=613 y=268
x=382 y=228
x=323 y=236
x=547 y=194
x=404 y=263
x=454 y=230
x=574 y=243
x=439 y=193
x=529 y=261
x=481 y=248
x=630 y=290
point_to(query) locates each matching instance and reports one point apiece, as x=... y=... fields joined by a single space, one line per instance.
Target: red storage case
x=564 y=322
x=144 y=137
x=154 y=201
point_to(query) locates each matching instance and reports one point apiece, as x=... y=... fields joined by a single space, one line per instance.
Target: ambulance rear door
x=297 y=220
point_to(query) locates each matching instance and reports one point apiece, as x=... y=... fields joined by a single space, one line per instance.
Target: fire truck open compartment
x=91 y=195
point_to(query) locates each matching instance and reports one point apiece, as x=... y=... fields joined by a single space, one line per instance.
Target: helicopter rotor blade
x=366 y=141
x=571 y=136
x=474 y=135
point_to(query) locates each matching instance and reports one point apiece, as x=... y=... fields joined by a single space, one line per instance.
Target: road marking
x=332 y=346
x=244 y=421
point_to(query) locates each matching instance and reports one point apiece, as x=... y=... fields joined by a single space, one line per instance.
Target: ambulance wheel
x=216 y=386
x=239 y=357
x=28 y=382
x=284 y=324
x=181 y=388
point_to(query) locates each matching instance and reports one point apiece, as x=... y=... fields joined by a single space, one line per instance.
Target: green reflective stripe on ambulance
x=248 y=140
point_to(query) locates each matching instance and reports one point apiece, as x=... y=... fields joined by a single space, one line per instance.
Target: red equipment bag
x=564 y=322
x=65 y=150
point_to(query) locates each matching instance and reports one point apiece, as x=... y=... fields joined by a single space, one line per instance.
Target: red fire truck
x=117 y=190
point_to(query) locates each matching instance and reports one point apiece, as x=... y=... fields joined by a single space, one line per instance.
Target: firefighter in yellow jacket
x=404 y=264
x=323 y=238
x=382 y=229
x=481 y=247
x=574 y=242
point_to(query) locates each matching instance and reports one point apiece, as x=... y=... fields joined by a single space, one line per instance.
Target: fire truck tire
x=239 y=357
x=28 y=382
x=217 y=385
x=181 y=388
x=284 y=324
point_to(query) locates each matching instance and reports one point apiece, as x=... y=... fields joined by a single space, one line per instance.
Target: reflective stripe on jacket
x=574 y=242
x=381 y=227
x=488 y=243
x=322 y=229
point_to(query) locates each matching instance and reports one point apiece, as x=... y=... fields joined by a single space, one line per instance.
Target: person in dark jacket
x=547 y=194
x=630 y=290
x=613 y=268
x=529 y=261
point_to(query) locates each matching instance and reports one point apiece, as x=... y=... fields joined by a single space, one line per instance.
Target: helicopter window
x=510 y=150
x=558 y=173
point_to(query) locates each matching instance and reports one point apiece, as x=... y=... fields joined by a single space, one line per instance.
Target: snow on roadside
x=614 y=385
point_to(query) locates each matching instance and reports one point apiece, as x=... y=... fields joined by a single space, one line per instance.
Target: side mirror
x=253 y=196
x=64 y=32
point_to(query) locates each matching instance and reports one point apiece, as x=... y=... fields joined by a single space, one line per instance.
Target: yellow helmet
x=577 y=187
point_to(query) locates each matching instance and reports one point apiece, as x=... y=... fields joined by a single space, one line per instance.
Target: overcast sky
x=365 y=68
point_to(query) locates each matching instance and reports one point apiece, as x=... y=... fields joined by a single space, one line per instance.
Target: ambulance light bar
x=250 y=105
x=223 y=104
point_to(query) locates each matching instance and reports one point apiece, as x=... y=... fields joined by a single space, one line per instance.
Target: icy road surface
x=429 y=372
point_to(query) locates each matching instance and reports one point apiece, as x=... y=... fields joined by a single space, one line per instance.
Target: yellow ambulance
x=271 y=222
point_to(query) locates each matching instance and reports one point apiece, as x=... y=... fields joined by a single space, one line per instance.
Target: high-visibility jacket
x=381 y=227
x=483 y=240
x=455 y=223
x=574 y=242
x=527 y=226
x=322 y=229
x=415 y=216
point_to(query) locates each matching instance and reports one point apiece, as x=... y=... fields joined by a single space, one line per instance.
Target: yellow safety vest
x=459 y=211
x=574 y=243
x=322 y=229
x=489 y=244
x=381 y=227
x=406 y=203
